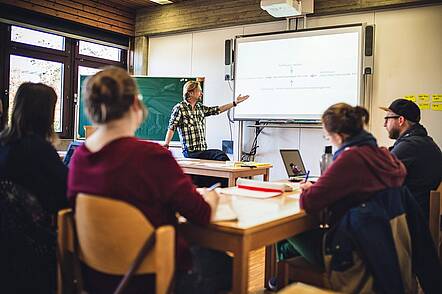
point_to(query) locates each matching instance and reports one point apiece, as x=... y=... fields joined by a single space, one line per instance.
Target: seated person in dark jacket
x=360 y=169
x=113 y=163
x=418 y=152
x=28 y=159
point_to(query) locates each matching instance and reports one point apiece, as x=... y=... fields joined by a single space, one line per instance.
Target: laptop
x=70 y=151
x=293 y=164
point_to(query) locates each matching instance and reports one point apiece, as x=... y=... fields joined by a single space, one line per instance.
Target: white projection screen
x=297 y=75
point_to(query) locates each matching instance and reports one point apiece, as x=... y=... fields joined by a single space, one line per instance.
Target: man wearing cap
x=419 y=153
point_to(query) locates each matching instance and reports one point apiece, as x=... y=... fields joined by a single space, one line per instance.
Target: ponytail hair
x=109 y=94
x=342 y=118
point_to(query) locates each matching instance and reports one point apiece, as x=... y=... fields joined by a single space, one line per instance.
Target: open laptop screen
x=292 y=162
x=70 y=152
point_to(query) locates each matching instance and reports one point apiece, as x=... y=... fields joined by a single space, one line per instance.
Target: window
x=84 y=71
x=26 y=69
x=99 y=51
x=33 y=37
x=58 y=61
x=4 y=38
x=87 y=71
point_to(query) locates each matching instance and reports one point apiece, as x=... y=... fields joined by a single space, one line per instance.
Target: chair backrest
x=65 y=242
x=435 y=218
x=384 y=225
x=111 y=234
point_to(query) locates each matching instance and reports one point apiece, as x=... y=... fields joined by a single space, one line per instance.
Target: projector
x=286 y=8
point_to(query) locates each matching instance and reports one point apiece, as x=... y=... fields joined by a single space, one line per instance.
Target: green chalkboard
x=159 y=95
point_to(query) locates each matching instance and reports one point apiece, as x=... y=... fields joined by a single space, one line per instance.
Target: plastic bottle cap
x=328 y=149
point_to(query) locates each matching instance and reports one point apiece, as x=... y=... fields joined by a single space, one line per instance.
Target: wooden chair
x=435 y=219
x=110 y=236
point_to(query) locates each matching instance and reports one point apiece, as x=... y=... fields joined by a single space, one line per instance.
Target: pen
x=306 y=176
x=213 y=187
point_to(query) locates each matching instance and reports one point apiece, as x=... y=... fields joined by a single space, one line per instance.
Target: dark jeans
x=211 y=273
x=307 y=245
x=210 y=154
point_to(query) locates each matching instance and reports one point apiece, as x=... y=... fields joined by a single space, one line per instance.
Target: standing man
x=189 y=117
x=419 y=153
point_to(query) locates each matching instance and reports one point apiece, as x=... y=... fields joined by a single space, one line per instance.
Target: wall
x=191 y=15
x=408 y=60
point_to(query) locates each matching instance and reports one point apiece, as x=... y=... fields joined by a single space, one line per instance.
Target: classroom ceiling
x=137 y=4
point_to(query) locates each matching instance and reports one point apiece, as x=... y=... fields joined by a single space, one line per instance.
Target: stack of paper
x=250 y=164
x=224 y=212
x=256 y=189
x=263 y=186
x=248 y=193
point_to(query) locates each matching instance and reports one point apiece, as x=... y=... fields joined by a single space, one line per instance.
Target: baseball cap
x=405 y=108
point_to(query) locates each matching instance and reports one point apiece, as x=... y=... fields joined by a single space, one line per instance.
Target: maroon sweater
x=354 y=176
x=145 y=175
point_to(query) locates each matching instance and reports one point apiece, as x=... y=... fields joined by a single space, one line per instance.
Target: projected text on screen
x=298 y=75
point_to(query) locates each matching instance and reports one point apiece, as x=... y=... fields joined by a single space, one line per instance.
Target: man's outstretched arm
x=238 y=100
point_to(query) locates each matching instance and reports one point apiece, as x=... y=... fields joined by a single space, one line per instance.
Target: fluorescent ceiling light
x=162 y=2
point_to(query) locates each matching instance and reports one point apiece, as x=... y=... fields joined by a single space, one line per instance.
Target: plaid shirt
x=191 y=124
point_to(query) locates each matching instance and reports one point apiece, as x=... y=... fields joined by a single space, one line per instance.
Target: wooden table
x=261 y=223
x=219 y=169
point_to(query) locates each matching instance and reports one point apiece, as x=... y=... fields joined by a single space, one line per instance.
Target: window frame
x=88 y=61
x=98 y=59
x=4 y=73
x=54 y=55
x=69 y=57
x=37 y=47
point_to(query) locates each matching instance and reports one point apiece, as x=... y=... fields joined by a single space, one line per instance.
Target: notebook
x=293 y=164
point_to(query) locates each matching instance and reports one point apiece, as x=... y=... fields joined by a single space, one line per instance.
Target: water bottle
x=326 y=159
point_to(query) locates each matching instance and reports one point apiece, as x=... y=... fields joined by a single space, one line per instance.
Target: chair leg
x=283 y=274
x=59 y=280
x=440 y=252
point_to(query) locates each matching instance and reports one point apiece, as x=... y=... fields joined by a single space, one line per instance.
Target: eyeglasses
x=392 y=116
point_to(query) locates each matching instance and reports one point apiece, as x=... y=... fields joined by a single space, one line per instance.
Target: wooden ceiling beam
x=88 y=12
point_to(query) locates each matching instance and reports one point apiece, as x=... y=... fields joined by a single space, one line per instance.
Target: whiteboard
x=298 y=75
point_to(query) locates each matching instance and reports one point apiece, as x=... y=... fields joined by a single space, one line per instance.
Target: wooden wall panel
x=95 y=13
x=203 y=14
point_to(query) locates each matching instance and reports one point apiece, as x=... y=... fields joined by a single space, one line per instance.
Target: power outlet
x=227 y=146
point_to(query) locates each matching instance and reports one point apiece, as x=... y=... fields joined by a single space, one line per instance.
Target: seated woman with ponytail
x=378 y=240
x=360 y=170
x=115 y=164
x=359 y=167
